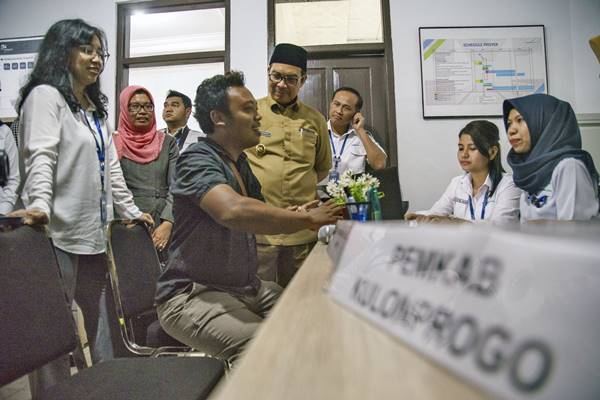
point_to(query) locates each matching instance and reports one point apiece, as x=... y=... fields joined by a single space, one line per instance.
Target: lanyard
x=180 y=139
x=101 y=152
x=337 y=158
x=485 y=201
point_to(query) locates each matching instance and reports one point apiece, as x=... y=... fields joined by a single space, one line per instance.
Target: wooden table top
x=312 y=348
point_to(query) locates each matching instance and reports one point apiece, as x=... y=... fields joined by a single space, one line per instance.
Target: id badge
x=103 y=208
x=334 y=175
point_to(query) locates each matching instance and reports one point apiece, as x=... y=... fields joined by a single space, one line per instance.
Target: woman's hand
x=31 y=217
x=161 y=235
x=417 y=217
x=147 y=219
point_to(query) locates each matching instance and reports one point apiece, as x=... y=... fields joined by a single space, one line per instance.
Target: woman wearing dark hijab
x=559 y=179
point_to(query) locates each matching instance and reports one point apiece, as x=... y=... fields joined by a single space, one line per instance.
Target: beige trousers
x=280 y=263
x=214 y=321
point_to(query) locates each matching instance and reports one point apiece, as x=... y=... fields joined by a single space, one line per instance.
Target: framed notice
x=17 y=57
x=470 y=71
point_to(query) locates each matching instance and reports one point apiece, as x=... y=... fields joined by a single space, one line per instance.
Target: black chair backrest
x=392 y=206
x=36 y=324
x=137 y=266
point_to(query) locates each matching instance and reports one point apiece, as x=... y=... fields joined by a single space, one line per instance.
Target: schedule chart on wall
x=17 y=57
x=470 y=71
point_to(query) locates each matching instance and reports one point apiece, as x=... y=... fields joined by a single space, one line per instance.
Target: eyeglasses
x=276 y=77
x=136 y=107
x=89 y=51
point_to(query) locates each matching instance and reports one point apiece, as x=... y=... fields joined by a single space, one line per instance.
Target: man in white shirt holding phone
x=352 y=146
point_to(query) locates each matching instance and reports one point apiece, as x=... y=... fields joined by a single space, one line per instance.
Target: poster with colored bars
x=17 y=57
x=470 y=71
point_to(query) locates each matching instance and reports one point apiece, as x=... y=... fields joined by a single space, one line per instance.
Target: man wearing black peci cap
x=292 y=156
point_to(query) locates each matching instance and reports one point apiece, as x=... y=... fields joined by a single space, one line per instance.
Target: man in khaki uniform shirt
x=292 y=156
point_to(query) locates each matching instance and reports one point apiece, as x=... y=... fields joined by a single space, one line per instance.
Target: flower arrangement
x=350 y=186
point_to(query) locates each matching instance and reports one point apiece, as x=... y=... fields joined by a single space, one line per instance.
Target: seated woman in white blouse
x=484 y=192
x=559 y=179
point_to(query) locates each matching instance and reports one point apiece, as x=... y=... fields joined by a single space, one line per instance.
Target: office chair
x=392 y=205
x=37 y=327
x=134 y=268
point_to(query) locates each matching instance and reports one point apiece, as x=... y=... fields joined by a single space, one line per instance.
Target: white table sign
x=515 y=313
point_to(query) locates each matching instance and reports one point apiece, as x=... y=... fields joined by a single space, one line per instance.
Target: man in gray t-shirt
x=209 y=296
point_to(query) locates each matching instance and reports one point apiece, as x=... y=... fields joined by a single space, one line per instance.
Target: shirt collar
x=177 y=132
x=219 y=149
x=348 y=132
x=466 y=180
x=279 y=109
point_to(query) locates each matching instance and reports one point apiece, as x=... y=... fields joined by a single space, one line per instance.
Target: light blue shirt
x=570 y=195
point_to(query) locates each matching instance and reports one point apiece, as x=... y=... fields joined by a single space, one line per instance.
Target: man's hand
x=304 y=207
x=327 y=213
x=358 y=122
x=161 y=235
x=31 y=217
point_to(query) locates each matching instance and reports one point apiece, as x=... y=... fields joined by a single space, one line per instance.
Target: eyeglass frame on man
x=291 y=80
x=137 y=107
x=89 y=51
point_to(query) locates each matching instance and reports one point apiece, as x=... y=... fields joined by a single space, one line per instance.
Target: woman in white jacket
x=72 y=174
x=484 y=192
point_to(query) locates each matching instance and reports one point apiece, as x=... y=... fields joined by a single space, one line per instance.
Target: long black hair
x=485 y=135
x=53 y=60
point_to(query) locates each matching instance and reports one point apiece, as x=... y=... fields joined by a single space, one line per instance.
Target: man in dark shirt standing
x=209 y=297
x=176 y=112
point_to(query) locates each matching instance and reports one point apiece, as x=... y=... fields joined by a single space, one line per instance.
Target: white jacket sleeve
x=507 y=201
x=575 y=194
x=40 y=127
x=8 y=194
x=121 y=195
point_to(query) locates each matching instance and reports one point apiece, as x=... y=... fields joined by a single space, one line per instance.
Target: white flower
x=359 y=185
x=335 y=190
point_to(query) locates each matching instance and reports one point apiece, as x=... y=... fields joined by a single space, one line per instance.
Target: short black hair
x=187 y=102
x=212 y=95
x=359 y=103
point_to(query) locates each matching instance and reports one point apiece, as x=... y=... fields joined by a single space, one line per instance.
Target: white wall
x=585 y=24
x=426 y=148
x=248 y=43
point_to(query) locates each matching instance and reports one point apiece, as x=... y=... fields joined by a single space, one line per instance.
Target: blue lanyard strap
x=485 y=202
x=101 y=152
x=100 y=148
x=337 y=157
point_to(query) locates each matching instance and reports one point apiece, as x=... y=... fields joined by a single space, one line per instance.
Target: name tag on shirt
x=304 y=131
x=461 y=201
